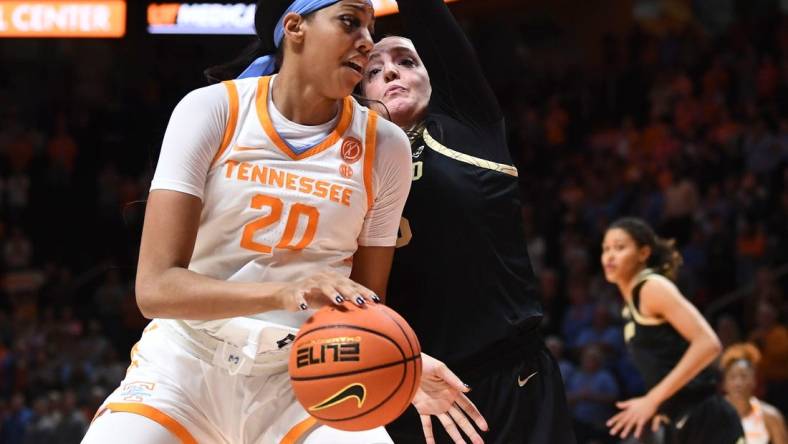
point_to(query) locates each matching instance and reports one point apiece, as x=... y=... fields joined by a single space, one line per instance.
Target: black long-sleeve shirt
x=463 y=279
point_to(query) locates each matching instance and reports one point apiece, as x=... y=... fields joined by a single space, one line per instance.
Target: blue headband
x=266 y=64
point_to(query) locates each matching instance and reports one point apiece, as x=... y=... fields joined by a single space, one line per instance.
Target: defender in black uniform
x=671 y=345
x=462 y=276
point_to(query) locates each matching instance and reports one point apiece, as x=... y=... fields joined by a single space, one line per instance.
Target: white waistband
x=234 y=359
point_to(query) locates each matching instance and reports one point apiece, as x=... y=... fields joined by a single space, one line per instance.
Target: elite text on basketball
x=331 y=352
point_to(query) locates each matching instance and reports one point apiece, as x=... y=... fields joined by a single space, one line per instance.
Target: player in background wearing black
x=462 y=276
x=671 y=344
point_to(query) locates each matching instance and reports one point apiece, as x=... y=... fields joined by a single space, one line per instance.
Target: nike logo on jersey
x=521 y=382
x=355 y=390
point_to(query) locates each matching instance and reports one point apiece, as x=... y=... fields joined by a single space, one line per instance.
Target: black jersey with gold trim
x=461 y=274
x=656 y=347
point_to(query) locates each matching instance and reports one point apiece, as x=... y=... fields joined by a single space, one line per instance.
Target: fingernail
x=303 y=306
x=339 y=299
x=467 y=386
x=360 y=301
x=375 y=298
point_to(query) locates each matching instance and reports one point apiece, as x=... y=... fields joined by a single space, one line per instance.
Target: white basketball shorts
x=197 y=389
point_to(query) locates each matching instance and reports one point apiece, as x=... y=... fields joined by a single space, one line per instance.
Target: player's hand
x=442 y=394
x=634 y=415
x=321 y=289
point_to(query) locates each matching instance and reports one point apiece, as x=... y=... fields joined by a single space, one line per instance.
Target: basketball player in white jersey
x=268 y=190
x=762 y=423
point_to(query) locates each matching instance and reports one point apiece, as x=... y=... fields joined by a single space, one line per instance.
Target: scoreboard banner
x=220 y=18
x=201 y=18
x=103 y=19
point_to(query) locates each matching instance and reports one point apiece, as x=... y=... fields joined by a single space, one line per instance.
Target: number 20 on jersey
x=276 y=207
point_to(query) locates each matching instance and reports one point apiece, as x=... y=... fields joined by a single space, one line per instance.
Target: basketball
x=355 y=368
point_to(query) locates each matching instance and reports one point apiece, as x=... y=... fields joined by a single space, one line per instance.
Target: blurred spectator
x=556 y=123
x=686 y=129
x=602 y=333
x=18 y=250
x=17 y=194
x=73 y=423
x=762 y=423
x=556 y=347
x=109 y=370
x=771 y=337
x=681 y=202
x=62 y=153
x=549 y=283
x=761 y=149
x=42 y=427
x=728 y=331
x=580 y=314
x=16 y=421
x=591 y=392
x=109 y=296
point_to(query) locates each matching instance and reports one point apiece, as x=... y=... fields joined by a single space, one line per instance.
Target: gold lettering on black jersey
x=418 y=170
x=629 y=331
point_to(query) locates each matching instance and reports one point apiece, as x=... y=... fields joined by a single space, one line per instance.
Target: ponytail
x=665 y=259
x=232 y=69
x=266 y=17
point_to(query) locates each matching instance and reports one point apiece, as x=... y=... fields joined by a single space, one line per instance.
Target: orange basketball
x=355 y=368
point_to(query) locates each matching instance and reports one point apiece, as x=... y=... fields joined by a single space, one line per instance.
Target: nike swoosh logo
x=521 y=382
x=355 y=390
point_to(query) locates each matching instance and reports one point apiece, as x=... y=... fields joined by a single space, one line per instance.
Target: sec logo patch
x=351 y=150
x=346 y=171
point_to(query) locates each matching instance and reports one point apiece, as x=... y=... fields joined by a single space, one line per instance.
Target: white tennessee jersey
x=270 y=213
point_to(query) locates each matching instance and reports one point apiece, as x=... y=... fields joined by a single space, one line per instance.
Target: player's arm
x=661 y=299
x=165 y=287
x=775 y=424
x=441 y=392
x=458 y=82
x=391 y=179
x=371 y=268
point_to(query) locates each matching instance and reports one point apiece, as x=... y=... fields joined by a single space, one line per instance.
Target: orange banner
x=63 y=18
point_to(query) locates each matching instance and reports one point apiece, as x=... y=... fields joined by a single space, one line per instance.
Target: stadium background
x=674 y=111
